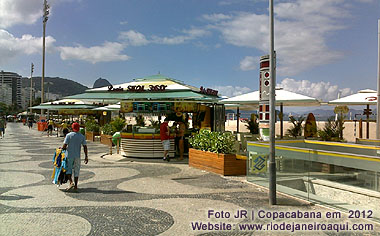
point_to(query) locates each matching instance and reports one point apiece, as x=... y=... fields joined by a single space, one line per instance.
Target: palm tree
x=296 y=130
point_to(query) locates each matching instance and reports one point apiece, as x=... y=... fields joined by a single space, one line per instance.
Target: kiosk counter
x=145 y=143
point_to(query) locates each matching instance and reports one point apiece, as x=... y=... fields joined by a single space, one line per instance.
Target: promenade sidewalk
x=124 y=196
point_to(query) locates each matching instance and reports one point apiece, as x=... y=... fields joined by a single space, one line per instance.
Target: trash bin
x=41 y=126
x=115 y=137
x=82 y=131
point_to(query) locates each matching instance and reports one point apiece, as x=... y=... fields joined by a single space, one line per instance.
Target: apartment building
x=10 y=88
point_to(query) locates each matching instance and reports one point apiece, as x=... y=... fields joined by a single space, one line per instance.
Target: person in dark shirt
x=3 y=125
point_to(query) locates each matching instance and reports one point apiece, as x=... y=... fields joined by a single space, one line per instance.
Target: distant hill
x=60 y=86
x=99 y=83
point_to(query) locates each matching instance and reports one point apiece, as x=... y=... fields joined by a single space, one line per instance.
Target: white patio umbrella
x=363 y=97
x=283 y=98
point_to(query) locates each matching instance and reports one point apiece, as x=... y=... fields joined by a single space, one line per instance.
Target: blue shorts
x=1 y=129
x=73 y=163
x=166 y=144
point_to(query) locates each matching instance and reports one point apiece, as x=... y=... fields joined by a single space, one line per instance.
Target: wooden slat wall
x=218 y=163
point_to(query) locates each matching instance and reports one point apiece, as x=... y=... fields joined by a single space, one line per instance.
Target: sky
x=324 y=47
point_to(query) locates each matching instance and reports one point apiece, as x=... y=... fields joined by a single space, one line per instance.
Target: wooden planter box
x=91 y=135
x=106 y=139
x=223 y=164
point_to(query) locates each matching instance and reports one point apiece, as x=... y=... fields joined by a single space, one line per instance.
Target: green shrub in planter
x=92 y=125
x=140 y=120
x=117 y=124
x=108 y=129
x=216 y=142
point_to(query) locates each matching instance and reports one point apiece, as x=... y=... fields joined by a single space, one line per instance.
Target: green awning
x=63 y=107
x=128 y=96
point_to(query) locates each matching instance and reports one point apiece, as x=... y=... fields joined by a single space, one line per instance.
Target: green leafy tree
x=91 y=124
x=118 y=124
x=107 y=129
x=10 y=109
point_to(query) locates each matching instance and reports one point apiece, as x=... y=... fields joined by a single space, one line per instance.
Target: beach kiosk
x=159 y=96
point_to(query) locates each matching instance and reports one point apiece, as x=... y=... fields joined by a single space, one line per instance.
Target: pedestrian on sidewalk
x=3 y=125
x=73 y=143
x=181 y=139
x=50 y=127
x=30 y=122
x=64 y=128
x=165 y=138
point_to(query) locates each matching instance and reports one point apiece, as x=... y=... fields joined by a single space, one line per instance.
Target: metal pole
x=238 y=118
x=43 y=63
x=367 y=135
x=282 y=121
x=31 y=87
x=2 y=87
x=272 y=105
x=45 y=19
x=378 y=83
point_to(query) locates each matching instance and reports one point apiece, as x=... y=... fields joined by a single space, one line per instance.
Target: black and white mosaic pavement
x=127 y=197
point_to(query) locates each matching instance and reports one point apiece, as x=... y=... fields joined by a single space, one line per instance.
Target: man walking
x=72 y=143
x=3 y=125
x=165 y=138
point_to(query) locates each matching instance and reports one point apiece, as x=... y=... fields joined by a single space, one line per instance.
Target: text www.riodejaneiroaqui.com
x=290 y=221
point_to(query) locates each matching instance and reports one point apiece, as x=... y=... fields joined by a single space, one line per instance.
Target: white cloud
x=109 y=51
x=14 y=12
x=123 y=22
x=320 y=90
x=249 y=63
x=188 y=35
x=301 y=30
x=366 y=1
x=231 y=91
x=135 y=38
x=11 y=46
x=216 y=17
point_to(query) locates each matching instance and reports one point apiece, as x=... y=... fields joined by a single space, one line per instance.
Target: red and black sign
x=139 y=88
x=209 y=91
x=112 y=89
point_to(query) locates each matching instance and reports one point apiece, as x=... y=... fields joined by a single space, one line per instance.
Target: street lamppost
x=2 y=86
x=378 y=82
x=31 y=87
x=45 y=19
x=272 y=107
x=48 y=85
